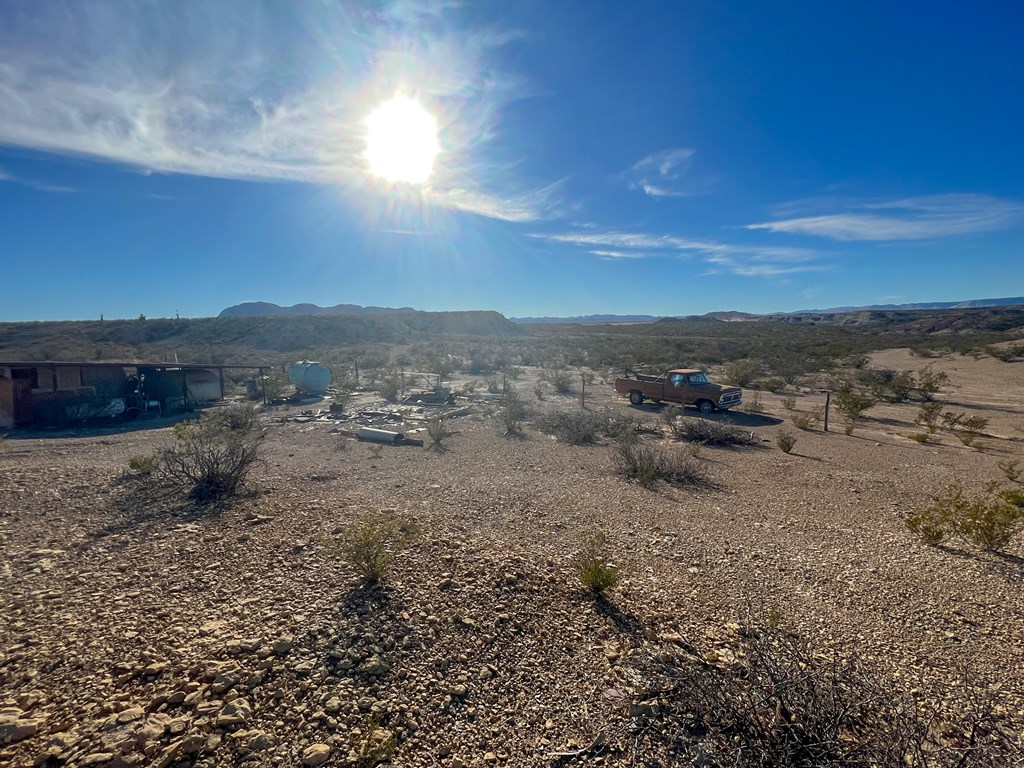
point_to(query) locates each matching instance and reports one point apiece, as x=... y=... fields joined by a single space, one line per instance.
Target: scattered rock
x=316 y=754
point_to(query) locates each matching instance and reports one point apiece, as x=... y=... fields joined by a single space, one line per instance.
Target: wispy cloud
x=658 y=175
x=614 y=255
x=739 y=259
x=914 y=218
x=42 y=186
x=258 y=91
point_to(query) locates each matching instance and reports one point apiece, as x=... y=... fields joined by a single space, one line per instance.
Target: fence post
x=828 y=401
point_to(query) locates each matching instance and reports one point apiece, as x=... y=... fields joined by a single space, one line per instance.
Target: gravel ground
x=137 y=636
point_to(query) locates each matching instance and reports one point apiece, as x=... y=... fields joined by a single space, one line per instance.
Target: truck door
x=675 y=388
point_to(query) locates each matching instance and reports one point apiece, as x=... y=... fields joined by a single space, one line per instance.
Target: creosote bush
x=786 y=705
x=852 y=404
x=576 y=427
x=989 y=521
x=596 y=574
x=371 y=543
x=438 y=430
x=928 y=416
x=789 y=403
x=785 y=440
x=647 y=464
x=694 y=429
x=144 y=466
x=213 y=455
x=512 y=411
x=754 y=404
x=805 y=421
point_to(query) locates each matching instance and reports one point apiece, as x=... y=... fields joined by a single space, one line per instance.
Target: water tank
x=310 y=377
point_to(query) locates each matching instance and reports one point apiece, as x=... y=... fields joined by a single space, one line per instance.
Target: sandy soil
x=131 y=636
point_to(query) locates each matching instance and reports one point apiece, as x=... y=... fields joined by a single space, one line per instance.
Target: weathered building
x=48 y=392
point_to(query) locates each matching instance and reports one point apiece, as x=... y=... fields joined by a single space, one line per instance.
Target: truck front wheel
x=636 y=397
x=705 y=406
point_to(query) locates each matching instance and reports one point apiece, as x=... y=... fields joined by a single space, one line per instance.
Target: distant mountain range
x=588 y=319
x=971 y=304
x=268 y=309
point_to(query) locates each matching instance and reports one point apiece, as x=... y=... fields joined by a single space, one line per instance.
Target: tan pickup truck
x=686 y=386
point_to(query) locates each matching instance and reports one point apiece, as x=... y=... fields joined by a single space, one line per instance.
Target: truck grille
x=731 y=398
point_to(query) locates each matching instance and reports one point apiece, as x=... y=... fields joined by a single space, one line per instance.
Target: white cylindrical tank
x=310 y=377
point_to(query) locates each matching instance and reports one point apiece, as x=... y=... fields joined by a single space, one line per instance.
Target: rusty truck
x=686 y=386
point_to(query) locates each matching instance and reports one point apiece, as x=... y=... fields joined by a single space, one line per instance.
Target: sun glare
x=401 y=141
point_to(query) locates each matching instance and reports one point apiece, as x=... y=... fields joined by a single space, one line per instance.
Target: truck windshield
x=698 y=378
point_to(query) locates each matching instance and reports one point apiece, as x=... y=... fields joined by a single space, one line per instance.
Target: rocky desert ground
x=136 y=632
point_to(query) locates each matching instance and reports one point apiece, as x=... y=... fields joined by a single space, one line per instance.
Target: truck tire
x=705 y=406
x=636 y=397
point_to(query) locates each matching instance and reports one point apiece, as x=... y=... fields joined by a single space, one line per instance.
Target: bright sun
x=401 y=141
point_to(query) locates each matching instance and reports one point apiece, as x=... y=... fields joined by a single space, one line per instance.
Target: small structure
x=49 y=392
x=309 y=376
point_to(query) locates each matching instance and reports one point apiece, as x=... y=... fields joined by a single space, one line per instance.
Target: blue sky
x=596 y=157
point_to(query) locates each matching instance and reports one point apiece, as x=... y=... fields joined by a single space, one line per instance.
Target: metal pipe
x=379 y=435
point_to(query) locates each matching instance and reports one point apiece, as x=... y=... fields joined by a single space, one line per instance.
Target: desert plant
x=371 y=745
x=275 y=384
x=1011 y=470
x=785 y=440
x=592 y=565
x=1013 y=496
x=390 y=385
x=970 y=428
x=370 y=543
x=754 y=404
x=928 y=416
x=742 y=372
x=470 y=386
x=512 y=410
x=771 y=384
x=647 y=464
x=494 y=385
x=929 y=382
x=235 y=418
x=709 y=432
x=989 y=521
x=784 y=703
x=209 y=459
x=144 y=466
x=559 y=379
x=919 y=437
x=438 y=430
x=802 y=420
x=789 y=403
x=852 y=404
x=538 y=390
x=576 y=427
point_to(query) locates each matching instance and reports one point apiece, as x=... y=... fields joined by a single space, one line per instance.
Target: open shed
x=52 y=392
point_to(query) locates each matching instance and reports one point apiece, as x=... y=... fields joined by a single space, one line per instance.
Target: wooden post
x=263 y=384
x=221 y=371
x=828 y=401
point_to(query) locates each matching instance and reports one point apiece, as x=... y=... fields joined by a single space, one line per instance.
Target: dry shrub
x=595 y=572
x=989 y=521
x=785 y=440
x=438 y=430
x=210 y=457
x=144 y=466
x=789 y=403
x=708 y=432
x=754 y=405
x=919 y=437
x=785 y=706
x=647 y=464
x=928 y=416
x=512 y=411
x=804 y=421
x=576 y=427
x=371 y=543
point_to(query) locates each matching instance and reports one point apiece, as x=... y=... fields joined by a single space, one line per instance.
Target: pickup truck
x=687 y=386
